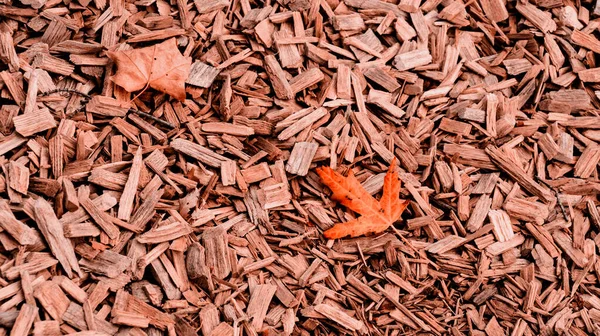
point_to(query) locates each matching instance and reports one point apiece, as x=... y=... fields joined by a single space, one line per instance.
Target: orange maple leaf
x=160 y=66
x=376 y=216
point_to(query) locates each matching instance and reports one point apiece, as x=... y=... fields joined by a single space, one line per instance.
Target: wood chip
x=340 y=317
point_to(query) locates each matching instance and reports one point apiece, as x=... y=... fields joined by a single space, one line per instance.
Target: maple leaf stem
x=148 y=82
x=139 y=94
x=88 y=97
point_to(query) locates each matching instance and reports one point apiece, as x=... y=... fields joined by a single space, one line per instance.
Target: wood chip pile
x=205 y=215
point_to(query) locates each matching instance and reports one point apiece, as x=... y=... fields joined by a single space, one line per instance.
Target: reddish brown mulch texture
x=139 y=213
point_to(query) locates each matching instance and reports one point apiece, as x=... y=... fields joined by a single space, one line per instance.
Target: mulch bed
x=137 y=213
